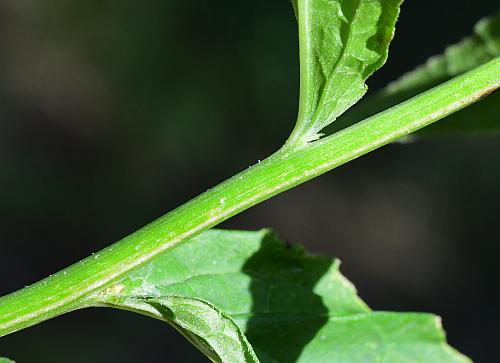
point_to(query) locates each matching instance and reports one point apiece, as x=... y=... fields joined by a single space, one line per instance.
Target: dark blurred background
x=115 y=112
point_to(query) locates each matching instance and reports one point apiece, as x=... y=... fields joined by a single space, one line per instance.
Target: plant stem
x=73 y=287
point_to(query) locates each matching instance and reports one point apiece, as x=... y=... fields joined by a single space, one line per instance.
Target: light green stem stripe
x=72 y=288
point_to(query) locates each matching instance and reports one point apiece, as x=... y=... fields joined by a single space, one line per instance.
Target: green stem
x=73 y=287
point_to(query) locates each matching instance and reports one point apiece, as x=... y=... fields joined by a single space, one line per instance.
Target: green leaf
x=293 y=307
x=341 y=44
x=213 y=332
x=471 y=52
x=5 y=360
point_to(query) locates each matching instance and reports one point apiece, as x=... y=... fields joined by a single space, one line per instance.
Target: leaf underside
x=341 y=44
x=242 y=295
x=471 y=52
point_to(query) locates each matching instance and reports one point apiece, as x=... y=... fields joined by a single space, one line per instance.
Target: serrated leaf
x=471 y=52
x=341 y=42
x=293 y=307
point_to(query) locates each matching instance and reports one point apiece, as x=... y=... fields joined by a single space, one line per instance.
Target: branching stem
x=74 y=287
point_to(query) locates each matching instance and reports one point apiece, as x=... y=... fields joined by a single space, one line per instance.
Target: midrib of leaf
x=318 y=126
x=305 y=64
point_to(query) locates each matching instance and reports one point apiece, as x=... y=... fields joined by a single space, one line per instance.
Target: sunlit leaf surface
x=292 y=306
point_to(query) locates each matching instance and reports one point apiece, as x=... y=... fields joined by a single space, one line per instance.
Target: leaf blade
x=479 y=48
x=341 y=43
x=213 y=332
x=292 y=307
x=404 y=331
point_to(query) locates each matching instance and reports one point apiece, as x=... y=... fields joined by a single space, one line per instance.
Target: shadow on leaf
x=286 y=312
